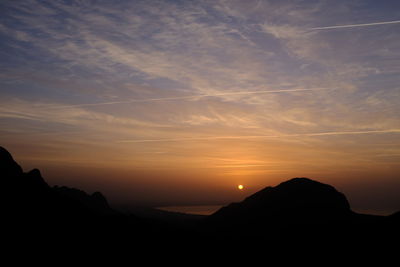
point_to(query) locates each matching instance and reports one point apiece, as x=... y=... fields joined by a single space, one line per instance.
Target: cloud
x=283 y=31
x=355 y=25
x=249 y=137
x=177 y=44
x=298 y=44
x=20 y=109
x=214 y=118
x=193 y=97
x=196 y=68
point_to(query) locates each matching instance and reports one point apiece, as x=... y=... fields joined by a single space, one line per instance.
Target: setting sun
x=174 y=103
x=146 y=119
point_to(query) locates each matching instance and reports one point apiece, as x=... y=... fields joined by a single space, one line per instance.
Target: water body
x=198 y=210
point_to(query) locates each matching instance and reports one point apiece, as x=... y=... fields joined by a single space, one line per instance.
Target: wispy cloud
x=19 y=109
x=356 y=25
x=261 y=136
x=133 y=78
x=182 y=98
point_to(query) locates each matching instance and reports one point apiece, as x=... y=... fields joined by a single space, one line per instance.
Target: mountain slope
x=299 y=211
x=298 y=200
x=34 y=210
x=28 y=193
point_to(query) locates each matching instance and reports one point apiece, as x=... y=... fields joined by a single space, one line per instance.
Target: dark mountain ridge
x=296 y=196
x=298 y=210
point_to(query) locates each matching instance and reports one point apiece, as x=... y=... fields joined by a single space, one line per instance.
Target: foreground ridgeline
x=297 y=213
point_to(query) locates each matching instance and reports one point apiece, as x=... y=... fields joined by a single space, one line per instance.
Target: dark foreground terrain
x=297 y=215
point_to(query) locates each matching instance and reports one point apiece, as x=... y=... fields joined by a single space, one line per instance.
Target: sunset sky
x=178 y=102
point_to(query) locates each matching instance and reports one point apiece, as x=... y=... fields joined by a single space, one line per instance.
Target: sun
x=240 y=187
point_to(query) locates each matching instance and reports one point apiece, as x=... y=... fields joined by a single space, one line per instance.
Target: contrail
x=182 y=97
x=258 y=136
x=356 y=25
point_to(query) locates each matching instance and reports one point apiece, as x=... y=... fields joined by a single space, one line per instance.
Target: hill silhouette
x=28 y=194
x=299 y=199
x=60 y=215
x=299 y=211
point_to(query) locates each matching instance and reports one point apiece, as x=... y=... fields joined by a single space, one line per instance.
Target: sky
x=177 y=102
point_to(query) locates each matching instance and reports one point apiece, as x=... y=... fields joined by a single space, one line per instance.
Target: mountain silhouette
x=30 y=193
x=299 y=199
x=8 y=167
x=299 y=211
x=395 y=217
x=36 y=211
x=63 y=217
x=95 y=202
